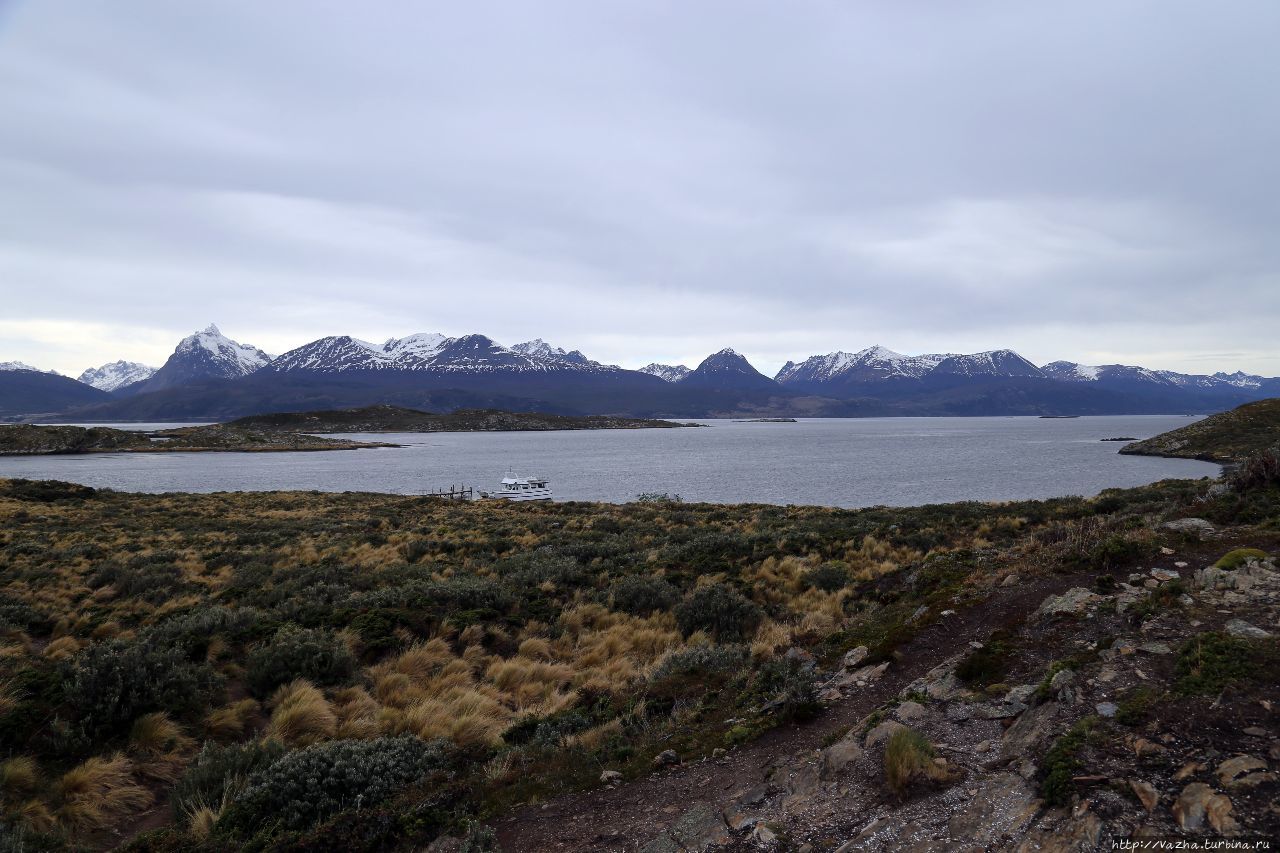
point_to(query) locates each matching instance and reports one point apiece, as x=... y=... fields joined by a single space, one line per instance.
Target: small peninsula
x=1225 y=438
x=36 y=440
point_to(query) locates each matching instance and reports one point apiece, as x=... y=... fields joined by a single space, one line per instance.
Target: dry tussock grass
x=232 y=721
x=301 y=715
x=97 y=794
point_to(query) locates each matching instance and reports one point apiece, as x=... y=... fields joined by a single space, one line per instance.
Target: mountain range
x=210 y=376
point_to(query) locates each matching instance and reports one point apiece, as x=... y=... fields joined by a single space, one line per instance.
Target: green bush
x=110 y=684
x=316 y=655
x=1209 y=662
x=640 y=595
x=219 y=773
x=1259 y=471
x=788 y=688
x=1062 y=761
x=700 y=660
x=988 y=664
x=310 y=785
x=721 y=611
x=828 y=577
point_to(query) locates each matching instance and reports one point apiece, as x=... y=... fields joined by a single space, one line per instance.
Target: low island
x=295 y=431
x=398 y=419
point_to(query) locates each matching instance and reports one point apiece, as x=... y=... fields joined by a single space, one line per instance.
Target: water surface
x=835 y=462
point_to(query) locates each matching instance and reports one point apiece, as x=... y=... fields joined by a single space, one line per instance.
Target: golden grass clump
x=357 y=712
x=909 y=757
x=63 y=648
x=19 y=777
x=769 y=639
x=160 y=748
x=467 y=716
x=231 y=722
x=97 y=794
x=301 y=715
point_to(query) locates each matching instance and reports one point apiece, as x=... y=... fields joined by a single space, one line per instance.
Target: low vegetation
x=309 y=671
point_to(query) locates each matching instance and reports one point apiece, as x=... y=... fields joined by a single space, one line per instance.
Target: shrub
x=310 y=785
x=317 y=655
x=1118 y=550
x=988 y=664
x=641 y=596
x=789 y=689
x=721 y=611
x=1235 y=559
x=700 y=660
x=219 y=773
x=829 y=577
x=193 y=631
x=1209 y=662
x=110 y=684
x=1259 y=471
x=908 y=757
x=1137 y=706
x=1062 y=761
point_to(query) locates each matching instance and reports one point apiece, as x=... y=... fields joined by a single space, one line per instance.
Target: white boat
x=517 y=488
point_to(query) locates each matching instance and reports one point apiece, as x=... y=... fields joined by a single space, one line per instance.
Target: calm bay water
x=835 y=462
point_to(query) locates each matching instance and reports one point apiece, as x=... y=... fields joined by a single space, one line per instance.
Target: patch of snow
x=117 y=374
x=19 y=365
x=666 y=372
x=239 y=359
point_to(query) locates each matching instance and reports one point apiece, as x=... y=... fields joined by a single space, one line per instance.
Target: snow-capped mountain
x=1069 y=371
x=666 y=372
x=434 y=353
x=1000 y=362
x=19 y=365
x=206 y=355
x=336 y=354
x=868 y=365
x=1240 y=379
x=116 y=375
x=727 y=370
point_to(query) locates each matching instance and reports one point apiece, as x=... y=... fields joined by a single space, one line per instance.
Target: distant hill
x=1225 y=437
x=32 y=392
x=396 y=419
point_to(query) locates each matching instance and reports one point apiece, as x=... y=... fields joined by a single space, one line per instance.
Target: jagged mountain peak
x=666 y=372
x=116 y=375
x=21 y=365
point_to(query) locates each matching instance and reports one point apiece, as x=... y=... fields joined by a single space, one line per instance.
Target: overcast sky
x=647 y=181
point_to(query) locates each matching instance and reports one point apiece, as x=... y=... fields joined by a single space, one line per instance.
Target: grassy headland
x=1227 y=437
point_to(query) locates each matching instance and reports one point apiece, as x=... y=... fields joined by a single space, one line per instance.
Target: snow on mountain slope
x=433 y=352
x=666 y=372
x=206 y=355
x=117 y=374
x=19 y=365
x=234 y=358
x=1001 y=362
x=1240 y=379
x=873 y=363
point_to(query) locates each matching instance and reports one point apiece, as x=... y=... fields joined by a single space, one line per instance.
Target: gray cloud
x=645 y=181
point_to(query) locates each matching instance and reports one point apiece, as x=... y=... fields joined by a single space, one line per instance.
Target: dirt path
x=626 y=817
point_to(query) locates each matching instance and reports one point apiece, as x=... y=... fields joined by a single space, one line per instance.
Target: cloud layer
x=644 y=181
